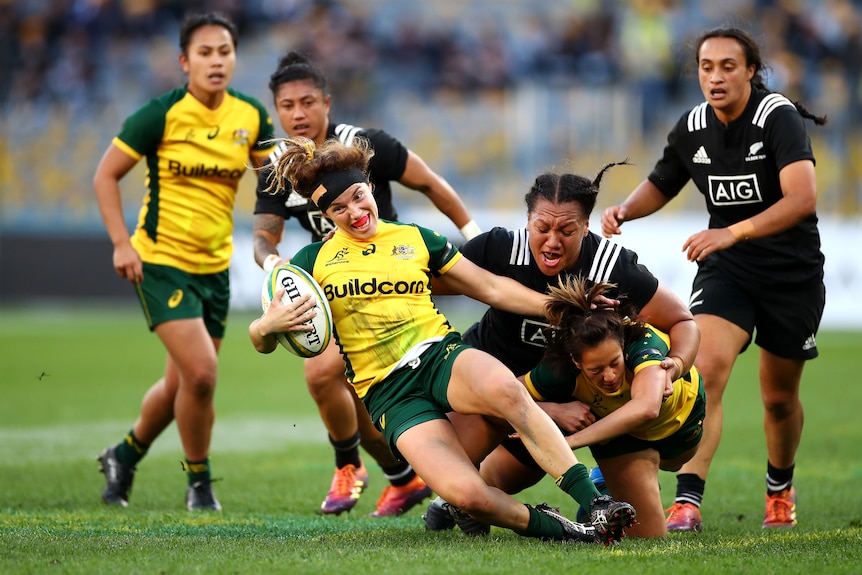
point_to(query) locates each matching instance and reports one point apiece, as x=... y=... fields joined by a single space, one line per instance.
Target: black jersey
x=387 y=164
x=517 y=340
x=736 y=169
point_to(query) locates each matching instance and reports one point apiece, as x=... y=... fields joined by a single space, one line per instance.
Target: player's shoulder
x=277 y=151
x=158 y=106
x=169 y=99
x=405 y=230
x=695 y=119
x=499 y=238
x=500 y=246
x=245 y=98
x=307 y=255
x=347 y=134
x=771 y=107
x=595 y=244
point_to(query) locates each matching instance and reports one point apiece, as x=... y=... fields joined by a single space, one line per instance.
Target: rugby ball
x=297 y=282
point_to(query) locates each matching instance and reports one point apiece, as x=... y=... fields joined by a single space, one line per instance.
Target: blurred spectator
x=407 y=46
x=89 y=61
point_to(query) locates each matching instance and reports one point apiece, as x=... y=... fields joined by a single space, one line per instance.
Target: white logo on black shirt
x=809 y=343
x=532 y=333
x=752 y=152
x=293 y=200
x=734 y=190
x=700 y=157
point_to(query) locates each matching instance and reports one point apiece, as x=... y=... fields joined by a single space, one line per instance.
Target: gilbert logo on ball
x=296 y=283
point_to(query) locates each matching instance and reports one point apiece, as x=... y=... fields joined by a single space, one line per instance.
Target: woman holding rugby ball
x=409 y=366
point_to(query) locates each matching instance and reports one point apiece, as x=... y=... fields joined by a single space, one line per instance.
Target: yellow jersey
x=195 y=158
x=379 y=293
x=545 y=384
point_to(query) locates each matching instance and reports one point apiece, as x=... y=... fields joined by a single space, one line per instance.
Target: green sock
x=576 y=482
x=197 y=470
x=130 y=451
x=542 y=526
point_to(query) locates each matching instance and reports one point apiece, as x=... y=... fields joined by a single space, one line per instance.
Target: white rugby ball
x=297 y=282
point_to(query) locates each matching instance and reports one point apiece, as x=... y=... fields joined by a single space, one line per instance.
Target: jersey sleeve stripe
x=346 y=133
x=606 y=258
x=280 y=148
x=127 y=148
x=520 y=255
x=767 y=105
x=697 y=118
x=531 y=387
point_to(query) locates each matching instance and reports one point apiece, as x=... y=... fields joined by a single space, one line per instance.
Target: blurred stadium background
x=489 y=92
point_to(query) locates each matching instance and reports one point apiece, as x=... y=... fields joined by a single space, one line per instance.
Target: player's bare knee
x=508 y=396
x=200 y=382
x=781 y=407
x=474 y=502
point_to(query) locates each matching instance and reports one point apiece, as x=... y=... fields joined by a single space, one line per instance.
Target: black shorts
x=783 y=321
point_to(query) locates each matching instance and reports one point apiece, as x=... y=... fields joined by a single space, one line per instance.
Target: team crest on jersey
x=340 y=257
x=404 y=252
x=597 y=403
x=753 y=152
x=734 y=190
x=240 y=137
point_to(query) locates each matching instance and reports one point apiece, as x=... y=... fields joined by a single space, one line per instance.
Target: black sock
x=777 y=480
x=689 y=489
x=346 y=451
x=400 y=474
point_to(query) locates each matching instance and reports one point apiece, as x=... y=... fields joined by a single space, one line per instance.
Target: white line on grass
x=74 y=441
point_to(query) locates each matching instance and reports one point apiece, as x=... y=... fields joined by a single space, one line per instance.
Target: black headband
x=333 y=184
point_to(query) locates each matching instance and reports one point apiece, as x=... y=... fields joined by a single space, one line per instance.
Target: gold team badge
x=240 y=137
x=404 y=252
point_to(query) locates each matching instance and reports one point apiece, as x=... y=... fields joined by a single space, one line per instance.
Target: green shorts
x=169 y=293
x=671 y=447
x=416 y=393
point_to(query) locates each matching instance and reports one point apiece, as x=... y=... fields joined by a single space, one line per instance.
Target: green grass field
x=71 y=383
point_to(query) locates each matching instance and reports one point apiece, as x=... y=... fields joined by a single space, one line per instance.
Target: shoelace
x=674 y=510
x=780 y=508
x=385 y=495
x=345 y=481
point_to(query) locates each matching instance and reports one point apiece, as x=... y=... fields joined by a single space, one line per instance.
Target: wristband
x=270 y=261
x=742 y=230
x=470 y=230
